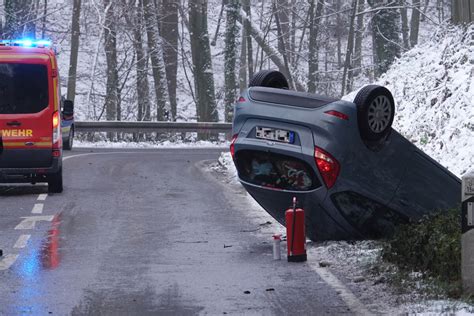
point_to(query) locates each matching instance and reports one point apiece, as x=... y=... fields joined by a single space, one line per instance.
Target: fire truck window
x=23 y=88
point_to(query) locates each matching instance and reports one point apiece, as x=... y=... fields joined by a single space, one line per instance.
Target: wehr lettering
x=16 y=133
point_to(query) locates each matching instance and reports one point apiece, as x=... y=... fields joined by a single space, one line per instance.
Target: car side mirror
x=68 y=108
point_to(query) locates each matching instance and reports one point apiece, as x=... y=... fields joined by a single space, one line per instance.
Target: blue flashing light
x=43 y=43
x=26 y=43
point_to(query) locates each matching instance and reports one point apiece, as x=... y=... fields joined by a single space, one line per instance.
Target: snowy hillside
x=433 y=87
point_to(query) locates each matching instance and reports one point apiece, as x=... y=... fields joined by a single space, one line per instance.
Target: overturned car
x=354 y=175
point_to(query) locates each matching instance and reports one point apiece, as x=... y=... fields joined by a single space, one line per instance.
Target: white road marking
x=38 y=208
x=22 y=241
x=42 y=197
x=7 y=261
x=30 y=221
x=106 y=153
x=346 y=295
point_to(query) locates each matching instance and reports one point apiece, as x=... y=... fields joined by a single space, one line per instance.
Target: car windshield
x=23 y=88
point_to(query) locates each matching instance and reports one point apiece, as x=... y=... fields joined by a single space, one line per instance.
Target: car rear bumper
x=22 y=175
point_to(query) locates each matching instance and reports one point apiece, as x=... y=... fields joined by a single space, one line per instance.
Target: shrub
x=431 y=246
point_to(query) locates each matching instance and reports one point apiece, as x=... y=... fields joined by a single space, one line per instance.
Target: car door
x=25 y=113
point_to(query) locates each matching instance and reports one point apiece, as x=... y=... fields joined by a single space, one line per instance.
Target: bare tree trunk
x=283 y=49
x=358 y=39
x=243 y=60
x=313 y=54
x=425 y=9
x=339 y=32
x=110 y=35
x=405 y=29
x=136 y=24
x=270 y=51
x=292 y=44
x=169 y=31
x=232 y=29
x=75 y=34
x=385 y=35
x=347 y=85
x=248 y=39
x=201 y=55
x=415 y=22
x=216 y=34
x=45 y=14
x=155 y=47
x=282 y=8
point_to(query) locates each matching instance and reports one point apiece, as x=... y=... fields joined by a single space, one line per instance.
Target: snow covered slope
x=433 y=87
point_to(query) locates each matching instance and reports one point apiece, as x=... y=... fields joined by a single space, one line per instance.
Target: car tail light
x=241 y=99
x=338 y=114
x=327 y=166
x=56 y=129
x=56 y=153
x=232 y=145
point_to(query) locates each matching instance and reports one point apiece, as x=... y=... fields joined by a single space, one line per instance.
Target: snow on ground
x=354 y=263
x=156 y=144
x=433 y=88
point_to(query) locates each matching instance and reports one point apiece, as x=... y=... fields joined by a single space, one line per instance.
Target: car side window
x=371 y=218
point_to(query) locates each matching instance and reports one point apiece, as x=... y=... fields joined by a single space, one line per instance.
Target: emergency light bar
x=26 y=43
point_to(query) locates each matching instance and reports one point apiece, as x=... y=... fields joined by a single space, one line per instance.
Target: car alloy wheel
x=379 y=114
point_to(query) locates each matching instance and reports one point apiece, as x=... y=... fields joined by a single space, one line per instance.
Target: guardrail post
x=467 y=243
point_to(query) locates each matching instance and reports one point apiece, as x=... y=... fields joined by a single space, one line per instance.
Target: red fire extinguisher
x=295 y=234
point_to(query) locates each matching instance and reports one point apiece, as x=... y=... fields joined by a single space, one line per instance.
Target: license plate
x=278 y=135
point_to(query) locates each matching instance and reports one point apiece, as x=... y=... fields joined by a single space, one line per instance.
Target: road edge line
x=344 y=293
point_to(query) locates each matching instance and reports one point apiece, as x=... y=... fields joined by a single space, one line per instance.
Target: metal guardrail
x=151 y=127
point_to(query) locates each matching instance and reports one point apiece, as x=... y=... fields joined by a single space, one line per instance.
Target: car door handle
x=14 y=123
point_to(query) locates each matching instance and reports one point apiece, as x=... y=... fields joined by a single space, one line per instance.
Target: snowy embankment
x=433 y=87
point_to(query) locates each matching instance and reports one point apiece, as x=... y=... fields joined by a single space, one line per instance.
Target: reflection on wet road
x=50 y=247
x=143 y=233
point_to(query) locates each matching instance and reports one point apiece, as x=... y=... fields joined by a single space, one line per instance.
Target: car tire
x=269 y=79
x=375 y=112
x=70 y=139
x=55 y=182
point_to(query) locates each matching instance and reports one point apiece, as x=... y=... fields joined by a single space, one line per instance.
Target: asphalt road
x=144 y=233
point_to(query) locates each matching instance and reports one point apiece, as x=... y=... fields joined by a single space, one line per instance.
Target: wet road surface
x=144 y=233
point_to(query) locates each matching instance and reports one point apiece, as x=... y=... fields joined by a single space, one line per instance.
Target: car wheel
x=375 y=112
x=55 y=182
x=269 y=79
x=70 y=139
